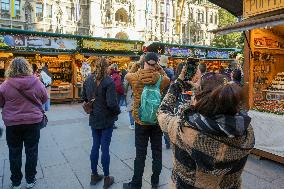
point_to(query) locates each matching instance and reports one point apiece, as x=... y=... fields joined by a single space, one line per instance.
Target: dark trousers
x=16 y=136
x=101 y=138
x=142 y=136
x=167 y=140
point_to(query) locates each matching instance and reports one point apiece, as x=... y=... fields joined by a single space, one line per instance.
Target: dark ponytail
x=217 y=96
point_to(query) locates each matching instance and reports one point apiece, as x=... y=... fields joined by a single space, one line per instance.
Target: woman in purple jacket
x=22 y=118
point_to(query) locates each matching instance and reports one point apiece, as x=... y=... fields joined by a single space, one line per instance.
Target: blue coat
x=105 y=108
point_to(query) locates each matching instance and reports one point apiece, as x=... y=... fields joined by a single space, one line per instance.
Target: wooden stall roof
x=48 y=34
x=252 y=23
x=235 y=7
x=159 y=44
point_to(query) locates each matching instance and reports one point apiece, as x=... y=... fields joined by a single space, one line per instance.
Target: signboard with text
x=37 y=42
x=218 y=54
x=111 y=45
x=178 y=52
x=255 y=7
x=200 y=53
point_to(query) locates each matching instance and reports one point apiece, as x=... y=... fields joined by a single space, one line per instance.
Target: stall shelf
x=263 y=28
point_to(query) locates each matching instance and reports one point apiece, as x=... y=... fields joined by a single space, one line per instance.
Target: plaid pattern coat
x=202 y=160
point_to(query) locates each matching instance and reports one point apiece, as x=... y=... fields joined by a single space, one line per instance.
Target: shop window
x=49 y=11
x=108 y=16
x=5 y=8
x=39 y=11
x=200 y=1
x=69 y=13
x=162 y=11
x=211 y=18
x=191 y=13
x=17 y=9
x=200 y=16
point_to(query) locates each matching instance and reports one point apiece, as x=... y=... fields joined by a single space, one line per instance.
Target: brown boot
x=108 y=181
x=96 y=178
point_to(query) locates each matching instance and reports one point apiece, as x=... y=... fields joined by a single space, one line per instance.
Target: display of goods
x=276 y=107
x=278 y=83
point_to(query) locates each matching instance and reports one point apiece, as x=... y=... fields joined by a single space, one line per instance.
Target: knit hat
x=151 y=58
x=163 y=61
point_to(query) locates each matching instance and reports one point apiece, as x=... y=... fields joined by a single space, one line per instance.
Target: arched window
x=121 y=15
x=121 y=35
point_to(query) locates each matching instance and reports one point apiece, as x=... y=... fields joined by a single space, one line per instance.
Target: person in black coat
x=101 y=88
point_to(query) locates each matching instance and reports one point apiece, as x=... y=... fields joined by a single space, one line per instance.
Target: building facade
x=171 y=21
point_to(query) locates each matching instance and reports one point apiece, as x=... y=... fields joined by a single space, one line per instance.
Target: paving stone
x=1 y=184
x=262 y=170
x=50 y=157
x=65 y=146
x=118 y=185
x=120 y=170
x=2 y=167
x=166 y=156
x=61 y=176
x=123 y=150
x=279 y=182
x=164 y=176
x=7 y=175
x=251 y=181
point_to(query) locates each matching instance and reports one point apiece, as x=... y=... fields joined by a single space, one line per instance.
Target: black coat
x=105 y=108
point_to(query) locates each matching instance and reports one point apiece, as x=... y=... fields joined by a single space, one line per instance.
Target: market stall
x=214 y=58
x=53 y=50
x=117 y=51
x=64 y=55
x=264 y=73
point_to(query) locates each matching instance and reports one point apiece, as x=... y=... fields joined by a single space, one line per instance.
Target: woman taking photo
x=99 y=88
x=212 y=139
x=21 y=97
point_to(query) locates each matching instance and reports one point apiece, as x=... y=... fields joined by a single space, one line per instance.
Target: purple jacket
x=17 y=110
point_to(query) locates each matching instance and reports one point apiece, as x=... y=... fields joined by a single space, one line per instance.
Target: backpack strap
x=158 y=84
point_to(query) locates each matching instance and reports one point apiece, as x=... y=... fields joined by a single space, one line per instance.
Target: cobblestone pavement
x=64 y=156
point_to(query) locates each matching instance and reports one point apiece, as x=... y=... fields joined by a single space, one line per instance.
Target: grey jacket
x=105 y=107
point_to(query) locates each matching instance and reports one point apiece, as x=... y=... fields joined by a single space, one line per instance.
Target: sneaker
x=96 y=178
x=131 y=127
x=15 y=187
x=108 y=181
x=31 y=185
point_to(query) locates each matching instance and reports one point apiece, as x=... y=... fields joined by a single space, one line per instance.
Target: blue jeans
x=101 y=138
x=46 y=105
x=131 y=118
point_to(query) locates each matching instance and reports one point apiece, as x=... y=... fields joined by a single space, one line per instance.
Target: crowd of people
x=209 y=133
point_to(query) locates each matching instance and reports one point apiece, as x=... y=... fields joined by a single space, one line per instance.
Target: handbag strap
x=28 y=98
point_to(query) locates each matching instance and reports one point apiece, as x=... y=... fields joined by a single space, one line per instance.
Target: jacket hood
x=221 y=125
x=148 y=77
x=23 y=83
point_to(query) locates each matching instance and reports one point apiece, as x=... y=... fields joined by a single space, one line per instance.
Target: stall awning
x=235 y=7
x=252 y=23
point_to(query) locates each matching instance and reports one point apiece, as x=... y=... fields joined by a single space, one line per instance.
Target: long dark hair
x=218 y=96
x=101 y=69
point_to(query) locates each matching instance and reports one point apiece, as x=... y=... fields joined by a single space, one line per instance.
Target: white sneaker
x=31 y=185
x=16 y=187
x=131 y=127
